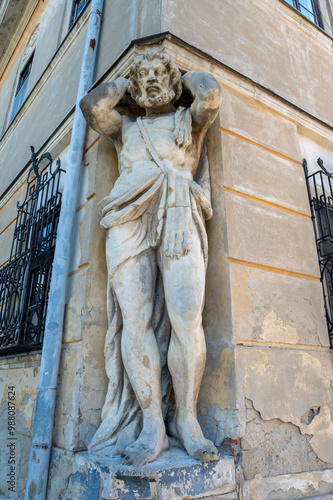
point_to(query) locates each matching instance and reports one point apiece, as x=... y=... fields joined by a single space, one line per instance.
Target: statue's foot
x=194 y=442
x=127 y=437
x=147 y=447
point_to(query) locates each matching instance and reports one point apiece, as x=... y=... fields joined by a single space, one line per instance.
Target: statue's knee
x=186 y=321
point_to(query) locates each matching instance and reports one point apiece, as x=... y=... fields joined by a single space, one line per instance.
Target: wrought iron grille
x=25 y=279
x=320 y=191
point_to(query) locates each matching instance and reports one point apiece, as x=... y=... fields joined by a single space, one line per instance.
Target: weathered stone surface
x=270 y=237
x=258 y=172
x=89 y=170
x=319 y=424
x=215 y=387
x=217 y=408
x=81 y=386
x=306 y=485
x=67 y=411
x=274 y=447
x=283 y=383
x=271 y=307
x=19 y=375
x=81 y=230
x=76 y=292
x=94 y=378
x=292 y=386
x=220 y=423
x=173 y=476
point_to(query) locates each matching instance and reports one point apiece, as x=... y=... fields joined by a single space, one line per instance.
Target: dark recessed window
x=78 y=6
x=21 y=88
x=25 y=279
x=320 y=192
x=309 y=9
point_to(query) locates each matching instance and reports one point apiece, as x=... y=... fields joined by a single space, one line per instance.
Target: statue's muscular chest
x=160 y=130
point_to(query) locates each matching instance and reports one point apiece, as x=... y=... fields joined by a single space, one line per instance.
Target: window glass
x=309 y=9
x=307 y=4
x=78 y=6
x=21 y=89
x=307 y=14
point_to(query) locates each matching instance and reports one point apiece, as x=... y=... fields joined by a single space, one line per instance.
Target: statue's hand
x=179 y=222
x=182 y=133
x=178 y=232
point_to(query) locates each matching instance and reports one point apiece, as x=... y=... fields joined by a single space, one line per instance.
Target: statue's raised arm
x=207 y=98
x=98 y=107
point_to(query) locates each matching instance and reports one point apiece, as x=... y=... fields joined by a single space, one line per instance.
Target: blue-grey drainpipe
x=46 y=393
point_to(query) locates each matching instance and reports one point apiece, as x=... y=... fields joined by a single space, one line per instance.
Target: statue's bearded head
x=154 y=79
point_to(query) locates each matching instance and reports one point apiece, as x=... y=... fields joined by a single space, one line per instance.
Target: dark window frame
x=316 y=13
x=320 y=193
x=25 y=279
x=21 y=88
x=78 y=7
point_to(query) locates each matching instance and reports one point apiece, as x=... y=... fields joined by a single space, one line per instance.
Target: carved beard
x=164 y=97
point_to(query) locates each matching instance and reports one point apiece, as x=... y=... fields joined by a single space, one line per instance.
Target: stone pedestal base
x=173 y=476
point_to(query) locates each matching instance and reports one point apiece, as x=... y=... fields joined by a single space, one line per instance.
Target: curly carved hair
x=150 y=55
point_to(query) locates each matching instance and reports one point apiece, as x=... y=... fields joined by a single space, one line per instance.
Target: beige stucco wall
x=279 y=357
x=19 y=375
x=266 y=40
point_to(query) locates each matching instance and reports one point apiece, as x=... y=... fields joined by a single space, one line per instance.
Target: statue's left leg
x=184 y=284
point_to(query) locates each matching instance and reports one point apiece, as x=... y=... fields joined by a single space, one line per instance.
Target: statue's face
x=154 y=83
x=153 y=77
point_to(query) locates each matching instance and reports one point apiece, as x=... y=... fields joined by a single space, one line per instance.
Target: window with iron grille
x=21 y=88
x=320 y=192
x=78 y=6
x=309 y=9
x=25 y=279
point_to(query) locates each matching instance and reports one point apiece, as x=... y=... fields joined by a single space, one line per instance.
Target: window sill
x=20 y=360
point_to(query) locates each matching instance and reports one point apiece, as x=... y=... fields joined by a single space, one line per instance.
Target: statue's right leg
x=134 y=285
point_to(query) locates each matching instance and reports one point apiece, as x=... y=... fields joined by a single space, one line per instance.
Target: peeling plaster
x=286 y=385
x=321 y=428
x=216 y=387
x=272 y=447
x=289 y=385
x=219 y=424
x=290 y=486
x=273 y=330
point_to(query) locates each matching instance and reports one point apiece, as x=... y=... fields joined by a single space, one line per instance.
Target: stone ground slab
x=305 y=486
x=173 y=476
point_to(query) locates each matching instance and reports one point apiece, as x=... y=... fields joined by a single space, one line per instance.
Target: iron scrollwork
x=25 y=279
x=320 y=192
